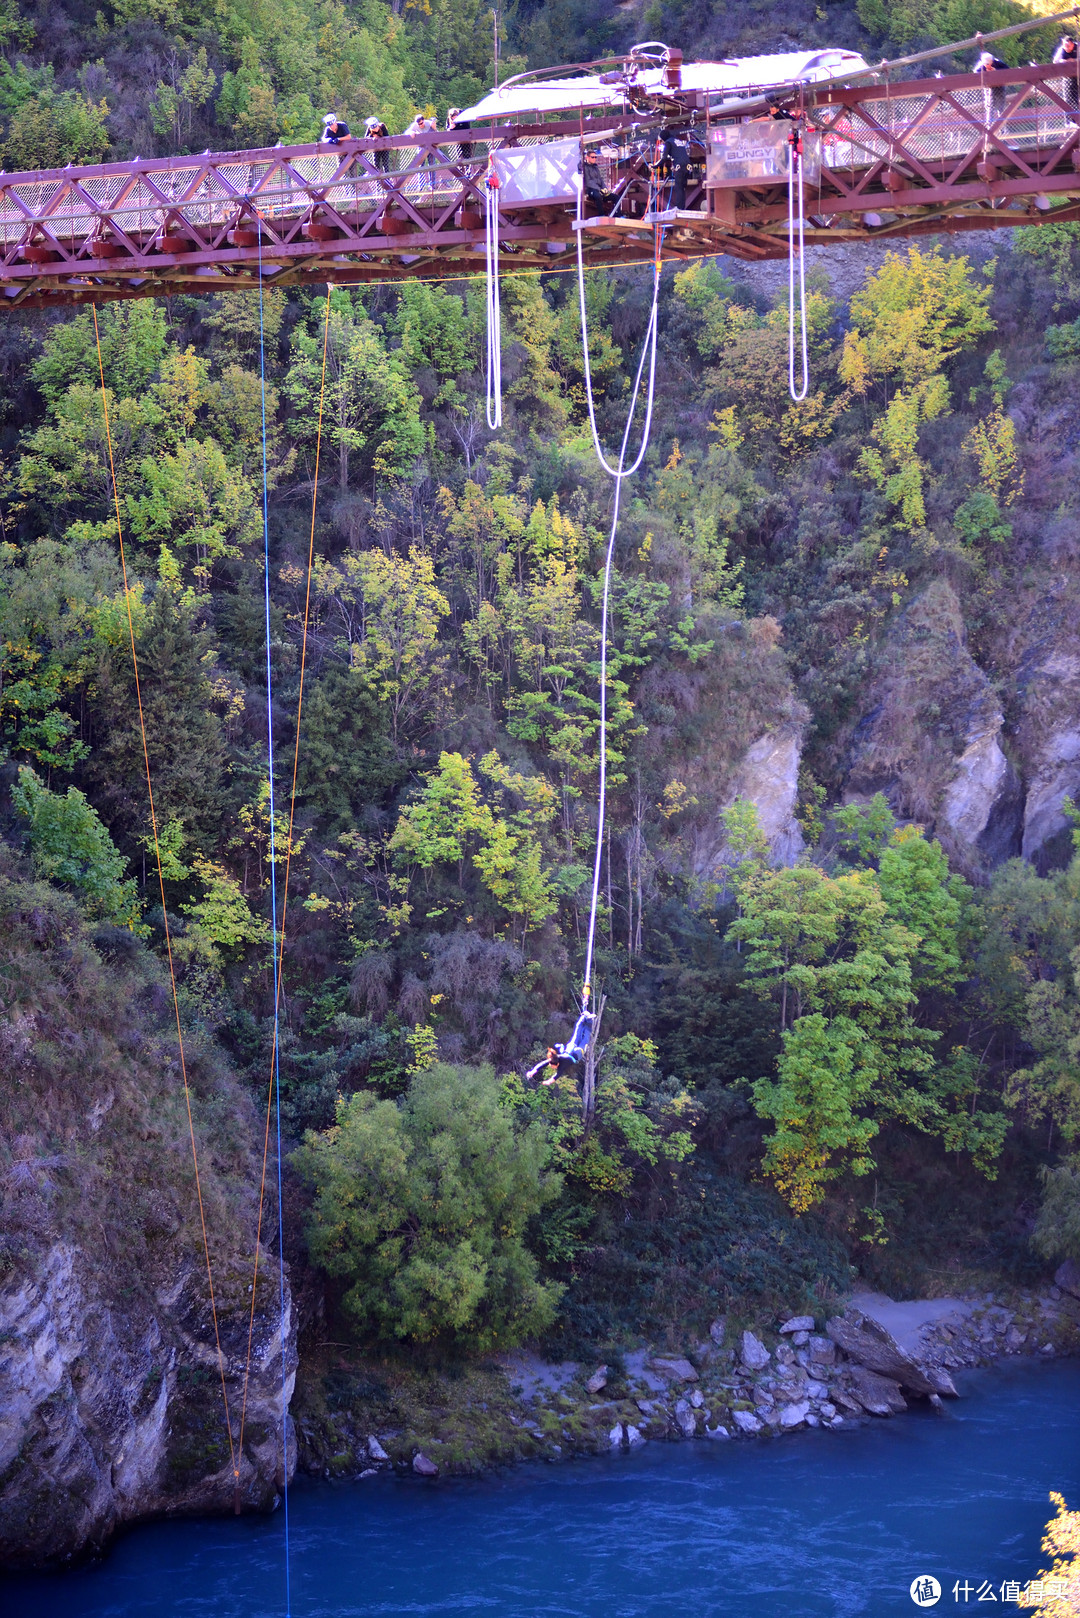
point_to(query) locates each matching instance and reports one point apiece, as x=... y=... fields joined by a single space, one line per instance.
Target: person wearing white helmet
x=375 y=129
x=334 y=130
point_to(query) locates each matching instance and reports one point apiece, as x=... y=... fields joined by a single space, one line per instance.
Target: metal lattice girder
x=971 y=151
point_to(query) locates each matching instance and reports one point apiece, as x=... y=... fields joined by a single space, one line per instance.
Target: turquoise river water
x=815 y=1525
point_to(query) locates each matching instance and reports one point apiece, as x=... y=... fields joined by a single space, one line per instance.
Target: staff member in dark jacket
x=675 y=161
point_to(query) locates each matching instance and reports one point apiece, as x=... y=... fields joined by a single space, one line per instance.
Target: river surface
x=814 y=1525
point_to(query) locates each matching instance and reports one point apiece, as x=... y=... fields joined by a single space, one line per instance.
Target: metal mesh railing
x=935 y=130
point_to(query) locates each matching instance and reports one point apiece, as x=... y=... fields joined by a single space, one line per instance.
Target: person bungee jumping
x=572 y=1052
x=375 y=129
x=334 y=130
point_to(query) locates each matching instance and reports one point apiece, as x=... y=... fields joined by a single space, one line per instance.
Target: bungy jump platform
x=881 y=156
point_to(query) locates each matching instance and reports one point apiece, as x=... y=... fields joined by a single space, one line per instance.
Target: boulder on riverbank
x=879 y=1395
x=869 y=1345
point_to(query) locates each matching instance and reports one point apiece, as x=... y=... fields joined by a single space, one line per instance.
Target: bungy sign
x=548 y=173
x=759 y=149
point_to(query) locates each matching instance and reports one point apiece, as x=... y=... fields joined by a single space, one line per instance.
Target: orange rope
x=285 y=886
x=161 y=884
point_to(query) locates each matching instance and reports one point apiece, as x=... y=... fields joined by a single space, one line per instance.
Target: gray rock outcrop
x=768 y=777
x=868 y=1344
x=880 y=1395
x=112 y=1414
x=1067 y=1277
x=754 y=1353
x=677 y=1370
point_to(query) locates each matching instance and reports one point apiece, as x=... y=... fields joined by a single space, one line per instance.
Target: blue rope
x=275 y=944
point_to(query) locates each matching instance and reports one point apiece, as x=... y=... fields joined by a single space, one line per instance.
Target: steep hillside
x=838 y=938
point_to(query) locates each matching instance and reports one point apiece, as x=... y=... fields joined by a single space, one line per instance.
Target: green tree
x=853 y=1058
x=920 y=892
x=70 y=846
x=54 y=127
x=421 y=1207
x=183 y=731
x=195 y=502
x=1057 y=1229
x=371 y=410
x=450 y=817
x=346 y=761
x=389 y=609
x=912 y=317
x=61 y=609
x=134 y=342
x=1049 y=1088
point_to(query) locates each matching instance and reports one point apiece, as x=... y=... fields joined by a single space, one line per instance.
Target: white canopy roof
x=587 y=93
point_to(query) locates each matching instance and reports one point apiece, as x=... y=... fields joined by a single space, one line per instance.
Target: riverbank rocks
x=745 y=1421
x=755 y=1356
x=685 y=1419
x=677 y=1370
x=598 y=1381
x=1067 y=1277
x=821 y=1351
x=716 y=1332
x=879 y=1395
x=871 y=1346
x=795 y=1415
x=423 y=1467
x=798 y=1323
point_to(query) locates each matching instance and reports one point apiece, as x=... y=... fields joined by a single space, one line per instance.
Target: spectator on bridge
x=453 y=121
x=422 y=125
x=375 y=129
x=334 y=130
x=1067 y=52
x=989 y=63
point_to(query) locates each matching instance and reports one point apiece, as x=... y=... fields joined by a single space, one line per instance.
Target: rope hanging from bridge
x=494 y=313
x=164 y=907
x=618 y=473
x=796 y=218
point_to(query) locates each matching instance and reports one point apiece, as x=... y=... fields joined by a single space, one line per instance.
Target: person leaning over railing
x=1067 y=53
x=334 y=130
x=375 y=129
x=454 y=121
x=989 y=63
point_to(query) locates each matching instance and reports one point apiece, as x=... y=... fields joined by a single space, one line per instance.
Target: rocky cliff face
x=111 y=1406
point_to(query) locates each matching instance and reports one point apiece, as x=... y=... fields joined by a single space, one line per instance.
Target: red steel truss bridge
x=963 y=152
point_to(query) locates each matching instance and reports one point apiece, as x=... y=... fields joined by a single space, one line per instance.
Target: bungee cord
x=494 y=313
x=618 y=474
x=273 y=1099
x=796 y=217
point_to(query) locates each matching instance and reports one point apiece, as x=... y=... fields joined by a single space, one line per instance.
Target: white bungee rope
x=795 y=181
x=618 y=474
x=494 y=314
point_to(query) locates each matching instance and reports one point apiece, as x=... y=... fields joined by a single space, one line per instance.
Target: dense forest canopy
x=839 y=1032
